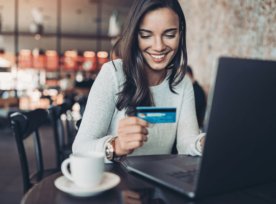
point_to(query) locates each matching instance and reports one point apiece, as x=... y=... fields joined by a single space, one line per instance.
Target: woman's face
x=158 y=37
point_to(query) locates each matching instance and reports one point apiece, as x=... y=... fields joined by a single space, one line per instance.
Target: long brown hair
x=136 y=91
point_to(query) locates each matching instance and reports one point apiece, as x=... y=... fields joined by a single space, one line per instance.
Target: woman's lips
x=158 y=58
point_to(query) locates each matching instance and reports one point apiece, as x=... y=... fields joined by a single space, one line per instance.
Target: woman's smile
x=158 y=57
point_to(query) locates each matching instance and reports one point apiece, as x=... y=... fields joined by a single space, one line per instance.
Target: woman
x=148 y=74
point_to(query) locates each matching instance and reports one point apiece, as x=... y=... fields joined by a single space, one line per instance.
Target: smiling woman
x=148 y=73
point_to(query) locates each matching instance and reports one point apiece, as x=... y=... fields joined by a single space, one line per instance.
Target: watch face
x=107 y=154
x=109 y=151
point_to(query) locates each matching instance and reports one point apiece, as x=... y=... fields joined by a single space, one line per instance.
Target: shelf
x=92 y=36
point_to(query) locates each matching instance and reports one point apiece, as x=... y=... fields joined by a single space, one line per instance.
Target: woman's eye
x=145 y=36
x=170 y=36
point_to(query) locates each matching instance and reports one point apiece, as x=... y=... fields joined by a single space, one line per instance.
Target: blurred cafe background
x=52 y=50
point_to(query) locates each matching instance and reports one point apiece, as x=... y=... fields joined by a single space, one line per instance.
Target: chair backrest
x=66 y=109
x=23 y=125
x=55 y=113
x=82 y=101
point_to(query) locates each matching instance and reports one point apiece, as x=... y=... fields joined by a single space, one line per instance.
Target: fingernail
x=150 y=125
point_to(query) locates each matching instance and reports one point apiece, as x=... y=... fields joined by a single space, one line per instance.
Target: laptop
x=240 y=131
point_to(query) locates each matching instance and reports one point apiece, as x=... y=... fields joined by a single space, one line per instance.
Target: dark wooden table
x=150 y=192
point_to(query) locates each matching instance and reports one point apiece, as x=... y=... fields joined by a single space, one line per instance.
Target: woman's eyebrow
x=148 y=31
x=171 y=29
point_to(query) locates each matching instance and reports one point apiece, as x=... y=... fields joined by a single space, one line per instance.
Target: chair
x=23 y=125
x=5 y=114
x=82 y=101
x=63 y=149
x=7 y=107
x=69 y=120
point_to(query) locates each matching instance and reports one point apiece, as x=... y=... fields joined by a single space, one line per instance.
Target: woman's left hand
x=202 y=141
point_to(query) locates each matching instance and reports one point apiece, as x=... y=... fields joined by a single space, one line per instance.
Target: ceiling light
x=102 y=54
x=89 y=54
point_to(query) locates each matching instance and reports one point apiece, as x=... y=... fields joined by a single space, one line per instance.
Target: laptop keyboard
x=185 y=176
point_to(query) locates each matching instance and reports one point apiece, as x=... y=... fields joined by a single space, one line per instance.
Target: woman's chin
x=158 y=67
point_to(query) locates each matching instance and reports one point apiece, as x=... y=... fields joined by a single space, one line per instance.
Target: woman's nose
x=158 y=44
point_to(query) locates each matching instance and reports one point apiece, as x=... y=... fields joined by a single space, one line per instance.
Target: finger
x=135 y=121
x=136 y=137
x=133 y=145
x=133 y=129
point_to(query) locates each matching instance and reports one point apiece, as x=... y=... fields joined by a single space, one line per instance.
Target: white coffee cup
x=86 y=169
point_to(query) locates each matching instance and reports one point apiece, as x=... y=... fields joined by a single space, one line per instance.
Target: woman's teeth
x=158 y=56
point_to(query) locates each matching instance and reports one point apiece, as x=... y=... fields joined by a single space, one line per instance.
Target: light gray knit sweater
x=101 y=117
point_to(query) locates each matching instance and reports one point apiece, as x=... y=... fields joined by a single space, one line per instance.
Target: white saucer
x=109 y=181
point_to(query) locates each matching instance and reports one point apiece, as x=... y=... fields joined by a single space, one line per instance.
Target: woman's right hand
x=132 y=133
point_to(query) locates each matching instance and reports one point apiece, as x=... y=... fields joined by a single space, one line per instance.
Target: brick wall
x=238 y=28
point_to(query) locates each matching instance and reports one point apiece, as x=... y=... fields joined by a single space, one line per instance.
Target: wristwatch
x=110 y=151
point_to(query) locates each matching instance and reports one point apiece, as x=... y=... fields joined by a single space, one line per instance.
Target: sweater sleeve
x=188 y=135
x=92 y=134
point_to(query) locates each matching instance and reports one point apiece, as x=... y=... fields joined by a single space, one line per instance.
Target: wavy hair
x=136 y=91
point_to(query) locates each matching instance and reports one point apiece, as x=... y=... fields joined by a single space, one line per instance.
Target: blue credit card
x=157 y=114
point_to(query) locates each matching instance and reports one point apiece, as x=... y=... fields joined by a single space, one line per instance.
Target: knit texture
x=101 y=117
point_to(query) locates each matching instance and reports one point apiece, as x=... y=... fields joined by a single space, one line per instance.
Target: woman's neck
x=156 y=77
